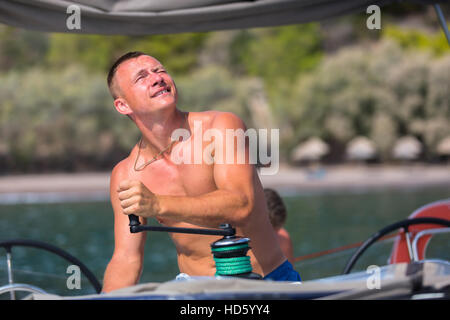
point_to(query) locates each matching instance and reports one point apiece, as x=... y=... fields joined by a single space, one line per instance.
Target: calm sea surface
x=316 y=222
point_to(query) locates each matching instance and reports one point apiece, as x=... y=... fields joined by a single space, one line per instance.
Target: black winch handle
x=134 y=220
x=225 y=230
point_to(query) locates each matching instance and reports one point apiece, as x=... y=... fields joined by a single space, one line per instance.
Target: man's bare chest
x=163 y=177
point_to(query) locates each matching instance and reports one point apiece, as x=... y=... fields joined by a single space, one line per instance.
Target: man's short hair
x=277 y=209
x=112 y=71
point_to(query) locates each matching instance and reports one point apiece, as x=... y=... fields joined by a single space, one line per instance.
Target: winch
x=229 y=253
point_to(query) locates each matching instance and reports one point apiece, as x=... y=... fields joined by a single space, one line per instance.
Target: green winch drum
x=230 y=257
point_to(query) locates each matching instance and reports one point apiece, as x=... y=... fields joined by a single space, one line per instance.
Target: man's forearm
x=120 y=275
x=209 y=210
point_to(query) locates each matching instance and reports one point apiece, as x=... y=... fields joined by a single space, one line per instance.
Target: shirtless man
x=180 y=195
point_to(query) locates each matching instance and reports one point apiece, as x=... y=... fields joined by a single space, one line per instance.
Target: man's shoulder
x=213 y=115
x=124 y=166
x=121 y=169
x=217 y=119
x=283 y=233
x=228 y=120
x=121 y=166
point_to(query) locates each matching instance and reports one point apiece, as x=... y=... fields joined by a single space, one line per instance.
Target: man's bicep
x=237 y=184
x=232 y=168
x=234 y=177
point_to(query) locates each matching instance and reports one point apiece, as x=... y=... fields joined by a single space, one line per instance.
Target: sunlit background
x=343 y=96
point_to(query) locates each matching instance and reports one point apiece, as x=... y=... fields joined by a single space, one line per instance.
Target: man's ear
x=122 y=106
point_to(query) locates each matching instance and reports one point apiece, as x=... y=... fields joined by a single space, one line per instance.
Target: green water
x=316 y=222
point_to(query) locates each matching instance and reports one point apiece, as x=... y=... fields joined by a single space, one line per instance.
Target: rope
x=236 y=265
x=338 y=249
x=232 y=260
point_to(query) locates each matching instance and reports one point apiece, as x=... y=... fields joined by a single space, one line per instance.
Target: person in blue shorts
x=277 y=216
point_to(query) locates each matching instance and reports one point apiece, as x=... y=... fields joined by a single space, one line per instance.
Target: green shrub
x=60 y=120
x=381 y=91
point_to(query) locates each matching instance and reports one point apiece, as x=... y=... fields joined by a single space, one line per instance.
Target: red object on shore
x=438 y=209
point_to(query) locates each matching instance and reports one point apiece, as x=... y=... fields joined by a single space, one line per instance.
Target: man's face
x=144 y=85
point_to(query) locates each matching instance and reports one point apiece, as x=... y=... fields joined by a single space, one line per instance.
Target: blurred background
x=356 y=109
x=334 y=81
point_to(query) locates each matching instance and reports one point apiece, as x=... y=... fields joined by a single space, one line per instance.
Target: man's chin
x=163 y=105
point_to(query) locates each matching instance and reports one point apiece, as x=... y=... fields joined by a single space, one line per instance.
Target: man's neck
x=157 y=130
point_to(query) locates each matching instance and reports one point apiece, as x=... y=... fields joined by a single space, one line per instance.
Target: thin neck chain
x=141 y=167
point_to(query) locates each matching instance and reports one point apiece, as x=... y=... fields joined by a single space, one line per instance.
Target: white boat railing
x=415 y=255
x=11 y=288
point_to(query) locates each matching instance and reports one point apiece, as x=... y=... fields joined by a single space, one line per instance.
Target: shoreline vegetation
x=385 y=91
x=94 y=186
x=378 y=97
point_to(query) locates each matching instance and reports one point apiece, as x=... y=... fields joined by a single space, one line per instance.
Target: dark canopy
x=139 y=17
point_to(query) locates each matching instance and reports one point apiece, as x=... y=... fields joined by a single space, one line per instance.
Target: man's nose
x=156 y=80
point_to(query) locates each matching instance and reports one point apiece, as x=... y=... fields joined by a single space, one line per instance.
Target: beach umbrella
x=361 y=148
x=443 y=148
x=407 y=148
x=311 y=150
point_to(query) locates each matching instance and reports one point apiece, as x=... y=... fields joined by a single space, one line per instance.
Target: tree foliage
x=382 y=92
x=98 y=53
x=56 y=112
x=59 y=120
x=277 y=54
x=417 y=39
x=21 y=49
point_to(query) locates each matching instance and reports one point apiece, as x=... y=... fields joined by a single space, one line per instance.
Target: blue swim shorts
x=285 y=272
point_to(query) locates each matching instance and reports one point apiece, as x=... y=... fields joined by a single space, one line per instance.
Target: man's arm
x=232 y=202
x=125 y=266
